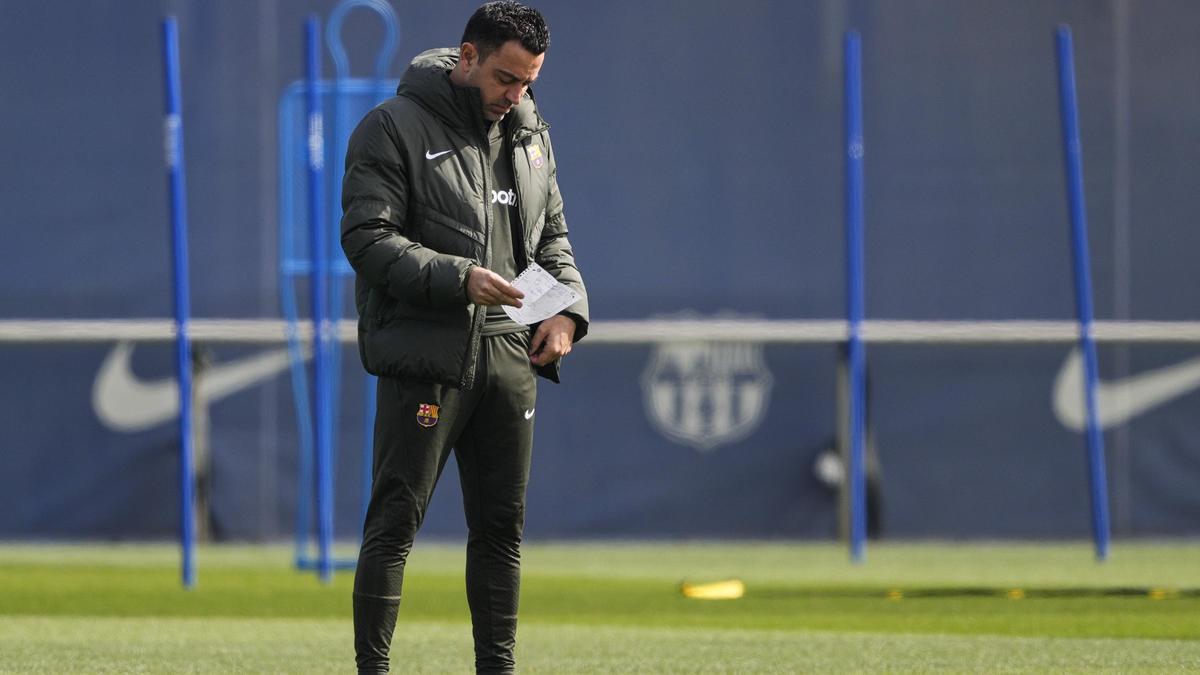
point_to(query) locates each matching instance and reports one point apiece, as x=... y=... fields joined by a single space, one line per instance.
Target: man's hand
x=552 y=340
x=485 y=287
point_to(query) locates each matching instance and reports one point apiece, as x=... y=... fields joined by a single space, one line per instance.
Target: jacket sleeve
x=554 y=252
x=375 y=237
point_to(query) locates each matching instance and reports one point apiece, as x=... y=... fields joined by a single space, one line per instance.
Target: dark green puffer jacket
x=417 y=216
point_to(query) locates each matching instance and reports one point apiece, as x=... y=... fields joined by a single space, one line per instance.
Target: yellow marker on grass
x=730 y=589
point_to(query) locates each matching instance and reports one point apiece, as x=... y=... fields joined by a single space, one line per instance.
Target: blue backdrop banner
x=700 y=159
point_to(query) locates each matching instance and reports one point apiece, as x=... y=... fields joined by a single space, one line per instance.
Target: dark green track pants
x=490 y=428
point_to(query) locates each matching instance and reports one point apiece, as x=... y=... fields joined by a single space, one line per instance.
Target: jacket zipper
x=467 y=380
x=511 y=152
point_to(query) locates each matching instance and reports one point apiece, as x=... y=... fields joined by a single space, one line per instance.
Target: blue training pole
x=854 y=288
x=322 y=329
x=176 y=184
x=1073 y=157
x=343 y=125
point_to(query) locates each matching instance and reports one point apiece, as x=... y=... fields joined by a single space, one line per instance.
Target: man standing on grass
x=450 y=191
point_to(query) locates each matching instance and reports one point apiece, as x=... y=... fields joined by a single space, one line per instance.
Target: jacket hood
x=427 y=81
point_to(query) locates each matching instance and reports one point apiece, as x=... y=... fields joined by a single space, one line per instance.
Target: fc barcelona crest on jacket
x=427 y=414
x=707 y=394
x=535 y=156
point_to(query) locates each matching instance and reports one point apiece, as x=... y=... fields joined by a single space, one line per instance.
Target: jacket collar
x=427 y=81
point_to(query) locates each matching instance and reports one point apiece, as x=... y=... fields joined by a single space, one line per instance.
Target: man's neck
x=457 y=76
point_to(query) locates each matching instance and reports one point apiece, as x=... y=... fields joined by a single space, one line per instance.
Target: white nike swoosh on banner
x=435 y=155
x=528 y=414
x=1118 y=401
x=123 y=402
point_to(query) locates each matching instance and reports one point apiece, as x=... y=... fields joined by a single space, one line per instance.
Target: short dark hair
x=496 y=23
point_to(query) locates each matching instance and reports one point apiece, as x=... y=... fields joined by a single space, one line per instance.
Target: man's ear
x=468 y=54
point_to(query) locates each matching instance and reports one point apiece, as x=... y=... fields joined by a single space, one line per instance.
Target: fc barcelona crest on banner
x=427 y=415
x=707 y=394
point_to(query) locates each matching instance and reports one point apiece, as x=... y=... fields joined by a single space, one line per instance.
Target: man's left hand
x=552 y=340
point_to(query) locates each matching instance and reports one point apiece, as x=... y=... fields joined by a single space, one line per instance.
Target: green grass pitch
x=616 y=608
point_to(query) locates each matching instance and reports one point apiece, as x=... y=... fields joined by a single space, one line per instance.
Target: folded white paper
x=544 y=296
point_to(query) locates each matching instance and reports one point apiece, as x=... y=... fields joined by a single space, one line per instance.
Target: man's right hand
x=485 y=287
